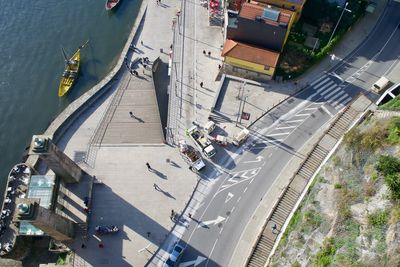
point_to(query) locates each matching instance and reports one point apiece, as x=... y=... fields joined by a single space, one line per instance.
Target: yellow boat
x=70 y=73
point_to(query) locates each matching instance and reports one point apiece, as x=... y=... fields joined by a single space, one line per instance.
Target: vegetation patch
x=324 y=257
x=393 y=104
x=378 y=218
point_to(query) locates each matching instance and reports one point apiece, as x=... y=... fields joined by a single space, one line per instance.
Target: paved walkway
x=139 y=201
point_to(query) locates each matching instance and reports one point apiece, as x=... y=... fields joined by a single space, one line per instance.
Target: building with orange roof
x=261 y=25
x=293 y=5
x=249 y=61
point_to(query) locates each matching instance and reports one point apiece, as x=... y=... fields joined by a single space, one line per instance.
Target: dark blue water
x=31 y=63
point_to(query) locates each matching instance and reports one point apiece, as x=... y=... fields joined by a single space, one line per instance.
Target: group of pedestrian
x=207 y=53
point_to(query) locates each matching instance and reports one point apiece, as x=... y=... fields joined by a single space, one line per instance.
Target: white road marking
x=215 y=222
x=286 y=127
x=337 y=76
x=244 y=191
x=258 y=159
x=143 y=249
x=344 y=103
x=277 y=134
x=325 y=86
x=327 y=111
x=339 y=100
x=338 y=95
x=294 y=121
x=302 y=114
x=229 y=197
x=311 y=108
x=327 y=94
x=337 y=89
x=195 y=262
x=319 y=79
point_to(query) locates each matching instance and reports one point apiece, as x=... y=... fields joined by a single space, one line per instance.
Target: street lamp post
x=341 y=15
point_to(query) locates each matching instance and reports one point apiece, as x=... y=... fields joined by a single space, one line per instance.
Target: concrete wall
x=246 y=74
x=249 y=66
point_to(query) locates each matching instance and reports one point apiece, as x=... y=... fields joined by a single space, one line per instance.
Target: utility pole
x=341 y=15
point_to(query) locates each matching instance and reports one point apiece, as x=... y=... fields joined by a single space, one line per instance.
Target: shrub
x=378 y=218
x=312 y=218
x=61 y=259
x=394 y=130
x=338 y=185
x=393 y=182
x=324 y=257
x=388 y=165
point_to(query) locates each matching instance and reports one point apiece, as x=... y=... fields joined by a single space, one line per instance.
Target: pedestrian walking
x=190 y=215
x=209 y=53
x=141 y=42
x=201 y=84
x=274 y=227
x=136 y=73
x=101 y=245
x=131 y=114
x=219 y=66
x=204 y=52
x=172 y=212
x=148 y=234
x=83 y=245
x=155 y=186
x=148 y=166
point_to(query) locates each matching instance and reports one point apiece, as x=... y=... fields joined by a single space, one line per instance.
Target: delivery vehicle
x=202 y=142
x=209 y=127
x=241 y=137
x=191 y=156
x=380 y=85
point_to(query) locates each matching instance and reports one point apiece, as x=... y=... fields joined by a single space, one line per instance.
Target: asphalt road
x=214 y=231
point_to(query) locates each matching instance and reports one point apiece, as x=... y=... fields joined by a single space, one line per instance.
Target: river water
x=31 y=63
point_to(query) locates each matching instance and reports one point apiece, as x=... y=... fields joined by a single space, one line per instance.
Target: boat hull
x=110 y=4
x=68 y=81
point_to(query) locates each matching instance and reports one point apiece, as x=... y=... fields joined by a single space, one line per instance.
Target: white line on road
x=319 y=79
x=220 y=231
x=302 y=114
x=337 y=76
x=327 y=111
x=278 y=134
x=233 y=209
x=244 y=191
x=293 y=121
x=311 y=108
x=239 y=199
x=286 y=127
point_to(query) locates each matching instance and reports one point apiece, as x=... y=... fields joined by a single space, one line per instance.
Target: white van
x=209 y=127
x=380 y=84
x=240 y=137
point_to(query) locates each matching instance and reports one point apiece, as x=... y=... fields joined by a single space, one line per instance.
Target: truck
x=202 y=142
x=191 y=156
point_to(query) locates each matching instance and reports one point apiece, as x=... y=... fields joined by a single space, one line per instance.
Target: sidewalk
x=139 y=201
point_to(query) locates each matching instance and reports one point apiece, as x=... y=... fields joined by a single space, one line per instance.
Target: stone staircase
x=287 y=202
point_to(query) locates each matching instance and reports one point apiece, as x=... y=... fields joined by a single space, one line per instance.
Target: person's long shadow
x=156 y=187
x=159 y=174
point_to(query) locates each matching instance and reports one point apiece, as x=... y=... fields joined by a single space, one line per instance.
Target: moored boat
x=110 y=4
x=70 y=73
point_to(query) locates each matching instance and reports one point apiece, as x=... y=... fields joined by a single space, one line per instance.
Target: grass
x=394 y=130
x=378 y=218
x=338 y=185
x=61 y=259
x=393 y=104
x=292 y=224
x=324 y=256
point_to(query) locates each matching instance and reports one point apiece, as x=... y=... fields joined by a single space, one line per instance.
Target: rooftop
x=250 y=53
x=267 y=14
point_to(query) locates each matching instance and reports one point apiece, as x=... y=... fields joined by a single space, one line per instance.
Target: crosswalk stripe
x=334 y=104
x=318 y=80
x=344 y=103
x=323 y=84
x=319 y=89
x=338 y=95
x=332 y=93
x=327 y=90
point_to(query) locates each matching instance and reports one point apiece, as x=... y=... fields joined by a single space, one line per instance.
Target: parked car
x=174 y=256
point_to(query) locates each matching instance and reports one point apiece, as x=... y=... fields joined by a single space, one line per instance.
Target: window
x=266 y=67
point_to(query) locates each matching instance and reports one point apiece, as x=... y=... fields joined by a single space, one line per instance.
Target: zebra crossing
x=333 y=93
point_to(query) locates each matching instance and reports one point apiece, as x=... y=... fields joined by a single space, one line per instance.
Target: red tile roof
x=252 y=10
x=250 y=53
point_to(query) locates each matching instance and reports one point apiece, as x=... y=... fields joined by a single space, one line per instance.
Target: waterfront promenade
x=106 y=141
